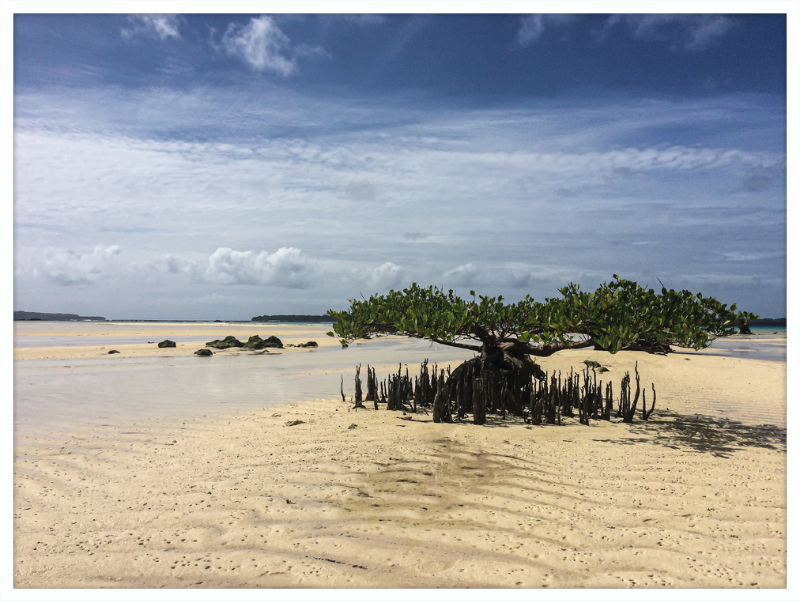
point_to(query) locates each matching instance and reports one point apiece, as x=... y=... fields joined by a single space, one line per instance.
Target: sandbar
x=315 y=494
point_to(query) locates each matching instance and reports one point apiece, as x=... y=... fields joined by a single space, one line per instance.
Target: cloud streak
x=532 y=27
x=159 y=27
x=380 y=195
x=684 y=32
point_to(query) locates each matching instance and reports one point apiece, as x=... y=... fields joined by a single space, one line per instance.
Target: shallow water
x=52 y=395
x=25 y=340
x=71 y=334
x=759 y=346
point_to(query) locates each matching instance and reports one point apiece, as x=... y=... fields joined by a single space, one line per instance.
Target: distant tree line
x=326 y=319
x=768 y=322
x=35 y=315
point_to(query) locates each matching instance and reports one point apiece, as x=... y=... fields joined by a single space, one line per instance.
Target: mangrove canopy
x=618 y=315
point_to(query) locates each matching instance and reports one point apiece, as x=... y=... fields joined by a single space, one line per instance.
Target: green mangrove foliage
x=618 y=315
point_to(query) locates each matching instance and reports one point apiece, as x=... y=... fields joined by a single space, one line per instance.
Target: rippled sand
x=693 y=498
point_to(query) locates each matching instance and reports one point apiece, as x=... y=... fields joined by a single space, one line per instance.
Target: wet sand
x=693 y=498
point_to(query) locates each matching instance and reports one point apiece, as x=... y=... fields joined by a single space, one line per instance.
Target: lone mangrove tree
x=620 y=315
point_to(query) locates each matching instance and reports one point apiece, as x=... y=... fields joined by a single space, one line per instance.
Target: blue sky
x=226 y=166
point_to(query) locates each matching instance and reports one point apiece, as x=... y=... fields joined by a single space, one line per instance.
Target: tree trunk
x=496 y=381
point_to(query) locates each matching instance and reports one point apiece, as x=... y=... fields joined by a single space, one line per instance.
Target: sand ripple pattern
x=397 y=501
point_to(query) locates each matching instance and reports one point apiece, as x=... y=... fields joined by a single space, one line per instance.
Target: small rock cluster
x=255 y=342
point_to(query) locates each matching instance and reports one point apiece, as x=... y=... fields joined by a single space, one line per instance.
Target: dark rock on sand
x=255 y=342
x=273 y=341
x=309 y=344
x=203 y=352
x=113 y=351
x=167 y=343
x=227 y=342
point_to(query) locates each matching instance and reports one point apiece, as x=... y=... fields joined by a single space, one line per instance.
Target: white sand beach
x=294 y=488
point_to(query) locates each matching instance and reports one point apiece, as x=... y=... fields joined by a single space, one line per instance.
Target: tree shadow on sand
x=719 y=437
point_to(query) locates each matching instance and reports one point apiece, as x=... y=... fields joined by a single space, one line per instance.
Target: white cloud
x=159 y=27
x=739 y=256
x=532 y=26
x=71 y=267
x=689 y=32
x=386 y=276
x=261 y=44
x=287 y=267
x=706 y=31
x=464 y=275
x=495 y=188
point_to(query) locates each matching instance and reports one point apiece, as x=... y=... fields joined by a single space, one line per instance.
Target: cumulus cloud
x=494 y=181
x=261 y=44
x=159 y=27
x=464 y=275
x=387 y=275
x=533 y=26
x=71 y=267
x=287 y=268
x=689 y=32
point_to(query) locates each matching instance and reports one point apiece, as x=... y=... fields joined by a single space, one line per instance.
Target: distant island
x=45 y=317
x=768 y=322
x=295 y=318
